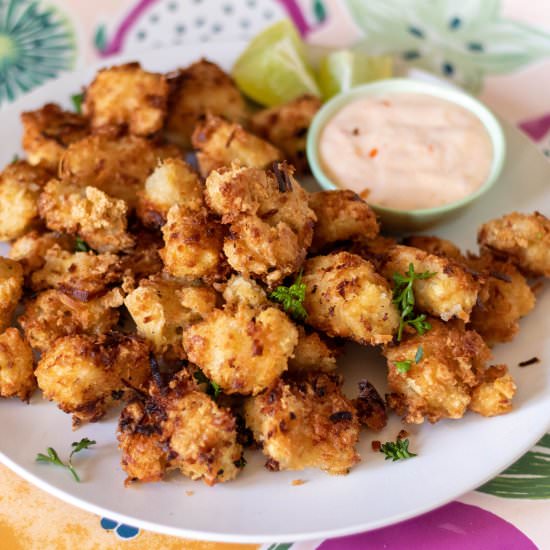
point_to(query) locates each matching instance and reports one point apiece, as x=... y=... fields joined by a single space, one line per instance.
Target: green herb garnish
x=403 y=297
x=53 y=458
x=213 y=389
x=397 y=451
x=15 y=158
x=405 y=366
x=81 y=245
x=292 y=298
x=77 y=100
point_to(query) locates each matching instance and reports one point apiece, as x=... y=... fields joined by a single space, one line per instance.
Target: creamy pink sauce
x=406 y=150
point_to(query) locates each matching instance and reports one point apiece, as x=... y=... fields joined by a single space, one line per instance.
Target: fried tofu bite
x=127 y=96
x=48 y=131
x=82 y=275
x=341 y=216
x=53 y=314
x=436 y=246
x=11 y=290
x=219 y=142
x=523 y=238
x=163 y=308
x=286 y=127
x=241 y=348
x=88 y=212
x=20 y=185
x=118 y=166
x=193 y=243
x=504 y=298
x=313 y=352
x=436 y=382
x=16 y=366
x=345 y=297
x=179 y=428
x=30 y=249
x=305 y=423
x=270 y=221
x=450 y=292
x=172 y=182
x=85 y=374
x=494 y=394
x=201 y=88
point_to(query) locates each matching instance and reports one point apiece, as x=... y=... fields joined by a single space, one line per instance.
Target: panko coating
x=450 y=292
x=20 y=185
x=524 y=238
x=270 y=221
x=241 y=348
x=11 y=290
x=371 y=408
x=345 y=297
x=374 y=250
x=440 y=384
x=313 y=352
x=305 y=423
x=220 y=142
x=436 y=246
x=85 y=374
x=82 y=275
x=239 y=289
x=504 y=298
x=163 y=308
x=193 y=243
x=494 y=394
x=118 y=166
x=127 y=96
x=48 y=131
x=179 y=427
x=341 y=216
x=201 y=88
x=53 y=314
x=30 y=249
x=97 y=218
x=286 y=127
x=172 y=182
x=16 y=366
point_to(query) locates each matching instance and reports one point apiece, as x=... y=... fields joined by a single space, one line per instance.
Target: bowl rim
x=404 y=85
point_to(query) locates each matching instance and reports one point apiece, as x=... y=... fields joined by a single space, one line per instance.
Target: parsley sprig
x=403 y=297
x=405 y=366
x=77 y=100
x=292 y=298
x=398 y=450
x=53 y=458
x=81 y=245
x=213 y=389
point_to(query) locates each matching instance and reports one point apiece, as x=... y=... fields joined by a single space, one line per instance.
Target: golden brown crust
x=451 y=292
x=305 y=423
x=48 y=131
x=345 y=297
x=85 y=374
x=523 y=238
x=201 y=88
x=11 y=290
x=313 y=352
x=127 y=96
x=16 y=366
x=20 y=185
x=53 y=314
x=98 y=219
x=172 y=182
x=286 y=127
x=219 y=143
x=243 y=349
x=341 y=216
x=494 y=394
x=436 y=246
x=440 y=384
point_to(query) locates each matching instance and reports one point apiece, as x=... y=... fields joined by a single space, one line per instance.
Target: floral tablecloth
x=500 y=50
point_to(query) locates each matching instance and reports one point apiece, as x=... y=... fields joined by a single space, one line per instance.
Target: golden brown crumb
x=376 y=446
x=11 y=290
x=296 y=482
x=189 y=493
x=16 y=366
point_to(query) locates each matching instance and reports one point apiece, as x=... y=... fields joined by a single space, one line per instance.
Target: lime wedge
x=339 y=71
x=273 y=68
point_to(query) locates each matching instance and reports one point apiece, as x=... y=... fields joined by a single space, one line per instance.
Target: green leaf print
x=529 y=477
x=462 y=41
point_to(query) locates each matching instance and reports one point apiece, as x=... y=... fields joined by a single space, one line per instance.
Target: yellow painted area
x=33 y=520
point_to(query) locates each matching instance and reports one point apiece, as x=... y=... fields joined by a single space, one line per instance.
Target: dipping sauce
x=406 y=150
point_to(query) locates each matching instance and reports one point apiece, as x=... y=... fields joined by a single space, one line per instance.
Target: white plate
x=453 y=456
